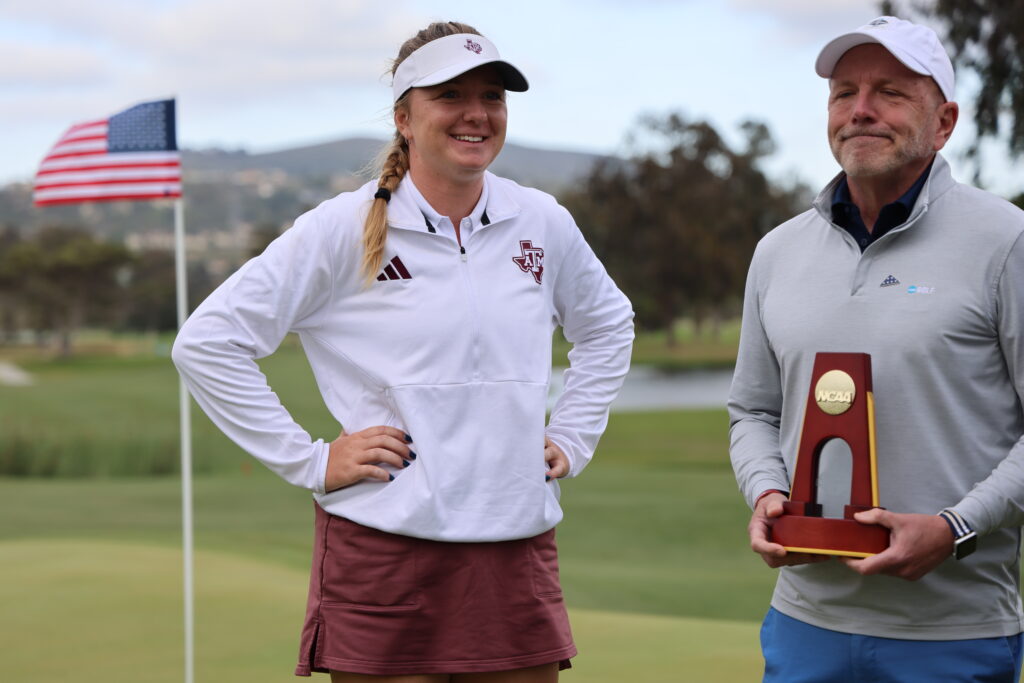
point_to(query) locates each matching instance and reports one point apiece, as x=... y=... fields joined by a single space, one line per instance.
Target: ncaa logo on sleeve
x=532 y=259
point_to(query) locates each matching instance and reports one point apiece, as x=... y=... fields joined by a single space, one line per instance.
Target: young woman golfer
x=425 y=302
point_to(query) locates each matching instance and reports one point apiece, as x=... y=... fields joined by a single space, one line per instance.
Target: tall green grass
x=106 y=415
x=114 y=416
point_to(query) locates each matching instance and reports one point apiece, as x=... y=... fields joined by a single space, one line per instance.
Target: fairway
x=659 y=580
x=101 y=611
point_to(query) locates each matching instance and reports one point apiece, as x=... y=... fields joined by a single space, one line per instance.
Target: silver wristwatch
x=965 y=539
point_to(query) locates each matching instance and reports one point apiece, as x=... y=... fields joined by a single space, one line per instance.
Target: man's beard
x=858 y=163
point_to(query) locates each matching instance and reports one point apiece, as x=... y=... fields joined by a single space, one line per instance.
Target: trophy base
x=828 y=536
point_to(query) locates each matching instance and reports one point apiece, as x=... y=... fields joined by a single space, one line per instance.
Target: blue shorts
x=796 y=652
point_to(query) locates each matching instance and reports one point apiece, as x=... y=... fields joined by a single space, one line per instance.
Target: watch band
x=965 y=539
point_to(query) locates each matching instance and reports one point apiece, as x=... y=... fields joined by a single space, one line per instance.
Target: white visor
x=917 y=47
x=445 y=58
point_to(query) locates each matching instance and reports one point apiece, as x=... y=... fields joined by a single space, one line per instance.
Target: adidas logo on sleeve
x=395 y=270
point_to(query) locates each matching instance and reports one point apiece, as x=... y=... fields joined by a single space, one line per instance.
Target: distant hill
x=233 y=199
x=341 y=157
x=550 y=170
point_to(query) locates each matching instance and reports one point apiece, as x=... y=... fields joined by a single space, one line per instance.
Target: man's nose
x=864 y=107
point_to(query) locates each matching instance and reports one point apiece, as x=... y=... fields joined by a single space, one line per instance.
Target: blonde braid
x=375 y=230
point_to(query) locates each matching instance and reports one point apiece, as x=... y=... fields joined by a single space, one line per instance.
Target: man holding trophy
x=889 y=315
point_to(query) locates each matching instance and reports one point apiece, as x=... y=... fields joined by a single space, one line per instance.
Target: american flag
x=130 y=155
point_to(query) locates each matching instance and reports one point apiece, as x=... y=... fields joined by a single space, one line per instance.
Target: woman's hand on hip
x=354 y=457
x=556 y=460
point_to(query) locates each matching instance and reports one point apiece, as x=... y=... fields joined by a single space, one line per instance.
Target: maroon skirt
x=389 y=605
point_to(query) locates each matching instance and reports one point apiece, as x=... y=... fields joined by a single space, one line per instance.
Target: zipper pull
x=462 y=250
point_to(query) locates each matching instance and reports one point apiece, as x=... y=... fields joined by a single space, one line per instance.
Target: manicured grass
x=660 y=542
x=109 y=415
x=694 y=349
x=105 y=612
x=639 y=648
x=114 y=415
x=704 y=347
x=100 y=612
x=654 y=556
x=654 y=525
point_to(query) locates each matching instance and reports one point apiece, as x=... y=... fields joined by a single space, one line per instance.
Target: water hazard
x=647 y=388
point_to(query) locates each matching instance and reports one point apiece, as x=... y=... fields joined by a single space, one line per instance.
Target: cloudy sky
x=268 y=74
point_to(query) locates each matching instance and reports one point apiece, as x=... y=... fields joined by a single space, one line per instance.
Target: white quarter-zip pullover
x=450 y=344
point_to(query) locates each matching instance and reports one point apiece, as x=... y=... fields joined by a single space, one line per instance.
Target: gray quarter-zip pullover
x=937 y=302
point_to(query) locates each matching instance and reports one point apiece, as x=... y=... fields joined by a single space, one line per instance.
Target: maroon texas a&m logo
x=473 y=46
x=532 y=260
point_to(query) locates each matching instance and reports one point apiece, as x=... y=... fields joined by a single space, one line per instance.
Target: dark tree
x=9 y=237
x=151 y=297
x=676 y=224
x=986 y=37
x=61 y=277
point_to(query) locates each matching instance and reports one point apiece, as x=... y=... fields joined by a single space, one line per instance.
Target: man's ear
x=948 y=113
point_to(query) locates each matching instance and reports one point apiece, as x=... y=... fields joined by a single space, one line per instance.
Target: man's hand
x=919 y=544
x=774 y=555
x=354 y=457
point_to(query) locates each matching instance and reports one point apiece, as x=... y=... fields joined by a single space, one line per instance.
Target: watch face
x=965 y=539
x=965 y=545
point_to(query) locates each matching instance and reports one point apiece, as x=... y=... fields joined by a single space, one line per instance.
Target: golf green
x=108 y=611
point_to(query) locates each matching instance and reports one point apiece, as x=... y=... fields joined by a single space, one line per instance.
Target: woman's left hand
x=556 y=460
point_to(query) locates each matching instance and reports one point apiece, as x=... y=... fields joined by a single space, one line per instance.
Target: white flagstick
x=184 y=409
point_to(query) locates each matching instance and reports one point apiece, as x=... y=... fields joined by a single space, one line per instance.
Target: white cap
x=917 y=47
x=445 y=58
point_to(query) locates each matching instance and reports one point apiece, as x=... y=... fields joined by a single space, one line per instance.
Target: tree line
x=675 y=221
x=61 y=278
x=675 y=224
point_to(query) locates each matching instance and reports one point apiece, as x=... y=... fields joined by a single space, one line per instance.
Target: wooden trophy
x=839 y=405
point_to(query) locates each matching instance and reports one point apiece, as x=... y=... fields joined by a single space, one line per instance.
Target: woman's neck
x=451 y=199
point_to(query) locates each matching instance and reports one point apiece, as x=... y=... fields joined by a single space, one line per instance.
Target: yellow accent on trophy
x=871 y=448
